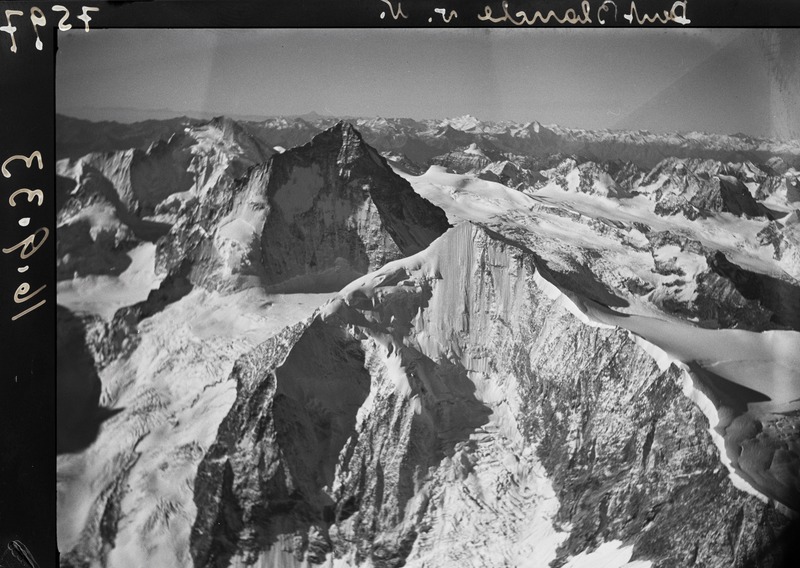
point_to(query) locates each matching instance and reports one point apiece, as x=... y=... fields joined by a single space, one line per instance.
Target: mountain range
x=381 y=342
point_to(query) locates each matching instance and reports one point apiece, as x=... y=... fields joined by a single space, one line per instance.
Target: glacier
x=390 y=342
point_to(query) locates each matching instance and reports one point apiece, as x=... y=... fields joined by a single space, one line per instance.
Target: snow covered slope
x=478 y=422
x=286 y=356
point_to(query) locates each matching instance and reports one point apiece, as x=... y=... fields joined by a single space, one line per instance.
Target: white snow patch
x=473 y=149
x=174 y=390
x=238 y=230
x=768 y=362
x=573 y=179
x=104 y=295
x=737 y=237
x=100 y=216
x=464 y=123
x=610 y=554
x=465 y=197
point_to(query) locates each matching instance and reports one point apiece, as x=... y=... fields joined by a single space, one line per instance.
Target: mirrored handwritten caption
x=25 y=198
x=39 y=20
x=504 y=13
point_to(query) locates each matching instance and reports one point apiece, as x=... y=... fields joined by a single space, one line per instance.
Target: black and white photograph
x=433 y=298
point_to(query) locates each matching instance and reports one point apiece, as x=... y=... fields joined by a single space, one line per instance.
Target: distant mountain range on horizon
x=127 y=115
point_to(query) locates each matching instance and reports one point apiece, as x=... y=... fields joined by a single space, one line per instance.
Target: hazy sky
x=583 y=78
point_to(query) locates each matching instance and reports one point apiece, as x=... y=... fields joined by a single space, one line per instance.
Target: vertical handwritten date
x=28 y=246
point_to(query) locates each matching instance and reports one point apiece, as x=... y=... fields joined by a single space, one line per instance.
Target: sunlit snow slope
x=305 y=342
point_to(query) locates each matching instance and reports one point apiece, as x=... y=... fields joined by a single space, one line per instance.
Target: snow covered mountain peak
x=425 y=343
x=465 y=122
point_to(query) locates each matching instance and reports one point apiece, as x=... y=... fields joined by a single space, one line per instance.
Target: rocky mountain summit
x=388 y=342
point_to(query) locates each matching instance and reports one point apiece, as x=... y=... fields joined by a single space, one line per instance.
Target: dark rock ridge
x=467 y=159
x=696 y=188
x=778 y=296
x=510 y=174
x=337 y=197
x=77 y=137
x=110 y=340
x=78 y=387
x=360 y=174
x=134 y=190
x=97 y=243
x=313 y=217
x=629 y=455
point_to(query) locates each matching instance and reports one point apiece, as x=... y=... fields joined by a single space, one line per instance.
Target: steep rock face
x=402 y=163
x=221 y=151
x=165 y=362
x=455 y=364
x=115 y=200
x=696 y=188
x=336 y=198
x=78 y=388
x=715 y=300
x=587 y=177
x=510 y=174
x=784 y=238
x=470 y=159
x=784 y=189
x=310 y=219
x=779 y=297
x=726 y=193
x=127 y=498
x=143 y=178
x=95 y=229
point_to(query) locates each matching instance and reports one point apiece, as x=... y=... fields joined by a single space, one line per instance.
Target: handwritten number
x=85 y=17
x=30 y=245
x=10 y=29
x=38 y=20
x=27 y=159
x=62 y=23
x=31 y=193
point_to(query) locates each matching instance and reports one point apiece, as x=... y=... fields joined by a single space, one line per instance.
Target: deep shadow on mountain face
x=758 y=451
x=780 y=297
x=78 y=387
x=580 y=283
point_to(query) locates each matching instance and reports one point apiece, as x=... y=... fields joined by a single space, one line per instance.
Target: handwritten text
x=39 y=20
x=28 y=246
